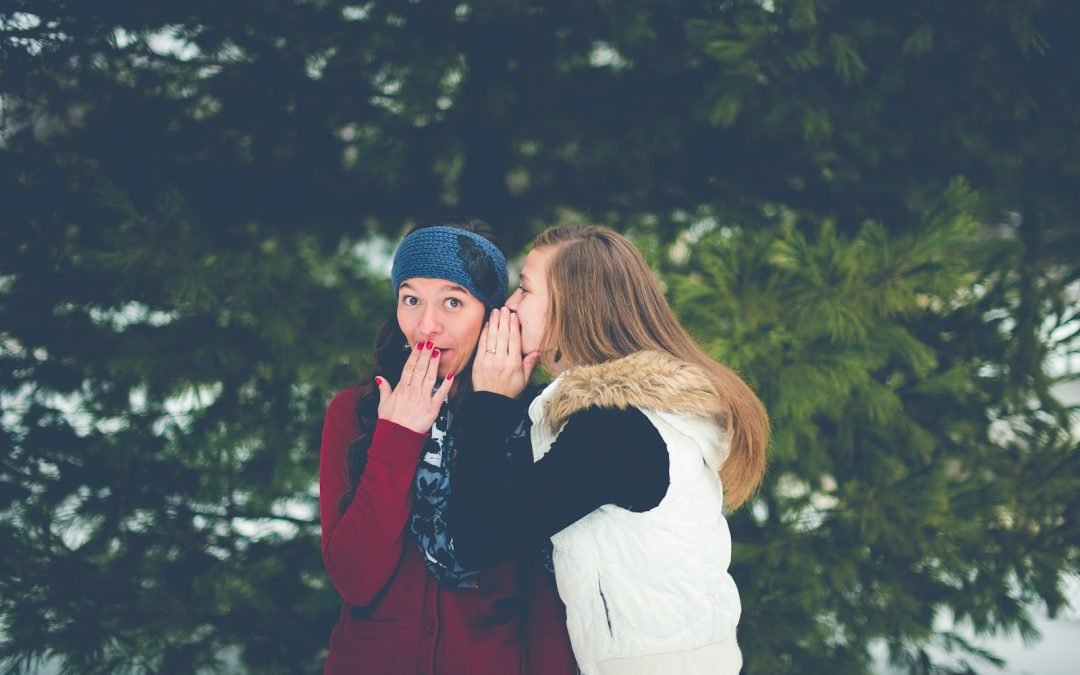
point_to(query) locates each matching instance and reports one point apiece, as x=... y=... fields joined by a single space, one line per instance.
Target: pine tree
x=184 y=186
x=910 y=477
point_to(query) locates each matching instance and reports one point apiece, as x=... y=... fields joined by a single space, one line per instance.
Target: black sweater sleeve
x=498 y=509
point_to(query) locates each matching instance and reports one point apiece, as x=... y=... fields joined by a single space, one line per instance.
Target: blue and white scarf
x=431 y=494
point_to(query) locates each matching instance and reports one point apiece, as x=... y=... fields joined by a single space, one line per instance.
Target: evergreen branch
x=231 y=515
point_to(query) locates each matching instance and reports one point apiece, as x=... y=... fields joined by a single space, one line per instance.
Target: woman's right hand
x=498 y=365
x=415 y=403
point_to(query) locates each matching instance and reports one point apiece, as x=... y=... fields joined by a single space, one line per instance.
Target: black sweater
x=498 y=509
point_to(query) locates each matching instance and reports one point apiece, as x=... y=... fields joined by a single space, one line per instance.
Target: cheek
x=404 y=322
x=464 y=346
x=466 y=341
x=533 y=315
x=468 y=330
x=530 y=334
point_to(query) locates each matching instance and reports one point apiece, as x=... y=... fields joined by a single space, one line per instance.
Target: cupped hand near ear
x=498 y=365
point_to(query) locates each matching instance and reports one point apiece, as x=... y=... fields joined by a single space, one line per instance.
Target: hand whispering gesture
x=415 y=403
x=498 y=365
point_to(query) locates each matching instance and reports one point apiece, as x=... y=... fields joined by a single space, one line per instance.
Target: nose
x=512 y=302
x=429 y=324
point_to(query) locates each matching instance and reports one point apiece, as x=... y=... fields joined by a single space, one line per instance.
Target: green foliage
x=185 y=185
x=157 y=489
x=894 y=493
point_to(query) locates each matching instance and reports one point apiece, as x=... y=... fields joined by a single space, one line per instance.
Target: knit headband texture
x=459 y=256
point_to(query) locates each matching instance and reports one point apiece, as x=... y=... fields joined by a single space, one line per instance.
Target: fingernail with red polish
x=378 y=380
x=420 y=345
x=450 y=375
x=429 y=344
x=435 y=354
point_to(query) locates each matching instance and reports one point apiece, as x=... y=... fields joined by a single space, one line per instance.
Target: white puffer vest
x=649 y=592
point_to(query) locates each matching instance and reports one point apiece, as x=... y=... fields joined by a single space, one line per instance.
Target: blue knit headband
x=459 y=256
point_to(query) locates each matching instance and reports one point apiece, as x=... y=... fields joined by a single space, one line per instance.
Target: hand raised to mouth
x=415 y=402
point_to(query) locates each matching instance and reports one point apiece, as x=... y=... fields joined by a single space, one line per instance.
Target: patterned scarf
x=432 y=492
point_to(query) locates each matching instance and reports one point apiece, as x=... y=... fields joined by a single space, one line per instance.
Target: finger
x=527 y=365
x=486 y=335
x=443 y=392
x=515 y=335
x=492 y=333
x=432 y=372
x=423 y=360
x=502 y=335
x=410 y=365
x=384 y=387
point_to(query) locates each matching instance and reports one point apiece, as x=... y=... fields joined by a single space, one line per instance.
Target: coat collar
x=649 y=380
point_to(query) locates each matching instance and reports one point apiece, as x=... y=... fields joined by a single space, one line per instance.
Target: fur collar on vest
x=652 y=380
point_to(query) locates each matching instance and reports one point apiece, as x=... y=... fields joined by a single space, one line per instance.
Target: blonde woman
x=639 y=444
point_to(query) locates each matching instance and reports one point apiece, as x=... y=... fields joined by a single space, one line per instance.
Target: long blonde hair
x=604 y=303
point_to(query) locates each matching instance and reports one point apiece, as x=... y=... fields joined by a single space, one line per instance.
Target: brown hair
x=625 y=312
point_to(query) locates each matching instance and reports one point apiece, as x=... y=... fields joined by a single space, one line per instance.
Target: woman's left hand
x=498 y=366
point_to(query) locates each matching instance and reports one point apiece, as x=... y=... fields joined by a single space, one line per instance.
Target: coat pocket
x=604 y=604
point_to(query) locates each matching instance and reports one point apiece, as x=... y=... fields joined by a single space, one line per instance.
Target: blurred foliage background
x=871 y=210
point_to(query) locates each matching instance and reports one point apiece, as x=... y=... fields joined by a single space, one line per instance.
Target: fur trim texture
x=650 y=380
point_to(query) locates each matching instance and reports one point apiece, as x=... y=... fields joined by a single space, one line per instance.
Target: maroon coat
x=397 y=618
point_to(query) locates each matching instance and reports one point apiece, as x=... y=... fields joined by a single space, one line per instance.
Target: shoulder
x=342 y=408
x=346 y=398
x=625 y=446
x=647 y=380
x=602 y=414
x=603 y=429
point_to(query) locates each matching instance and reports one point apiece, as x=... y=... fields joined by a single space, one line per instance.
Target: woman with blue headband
x=388 y=449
